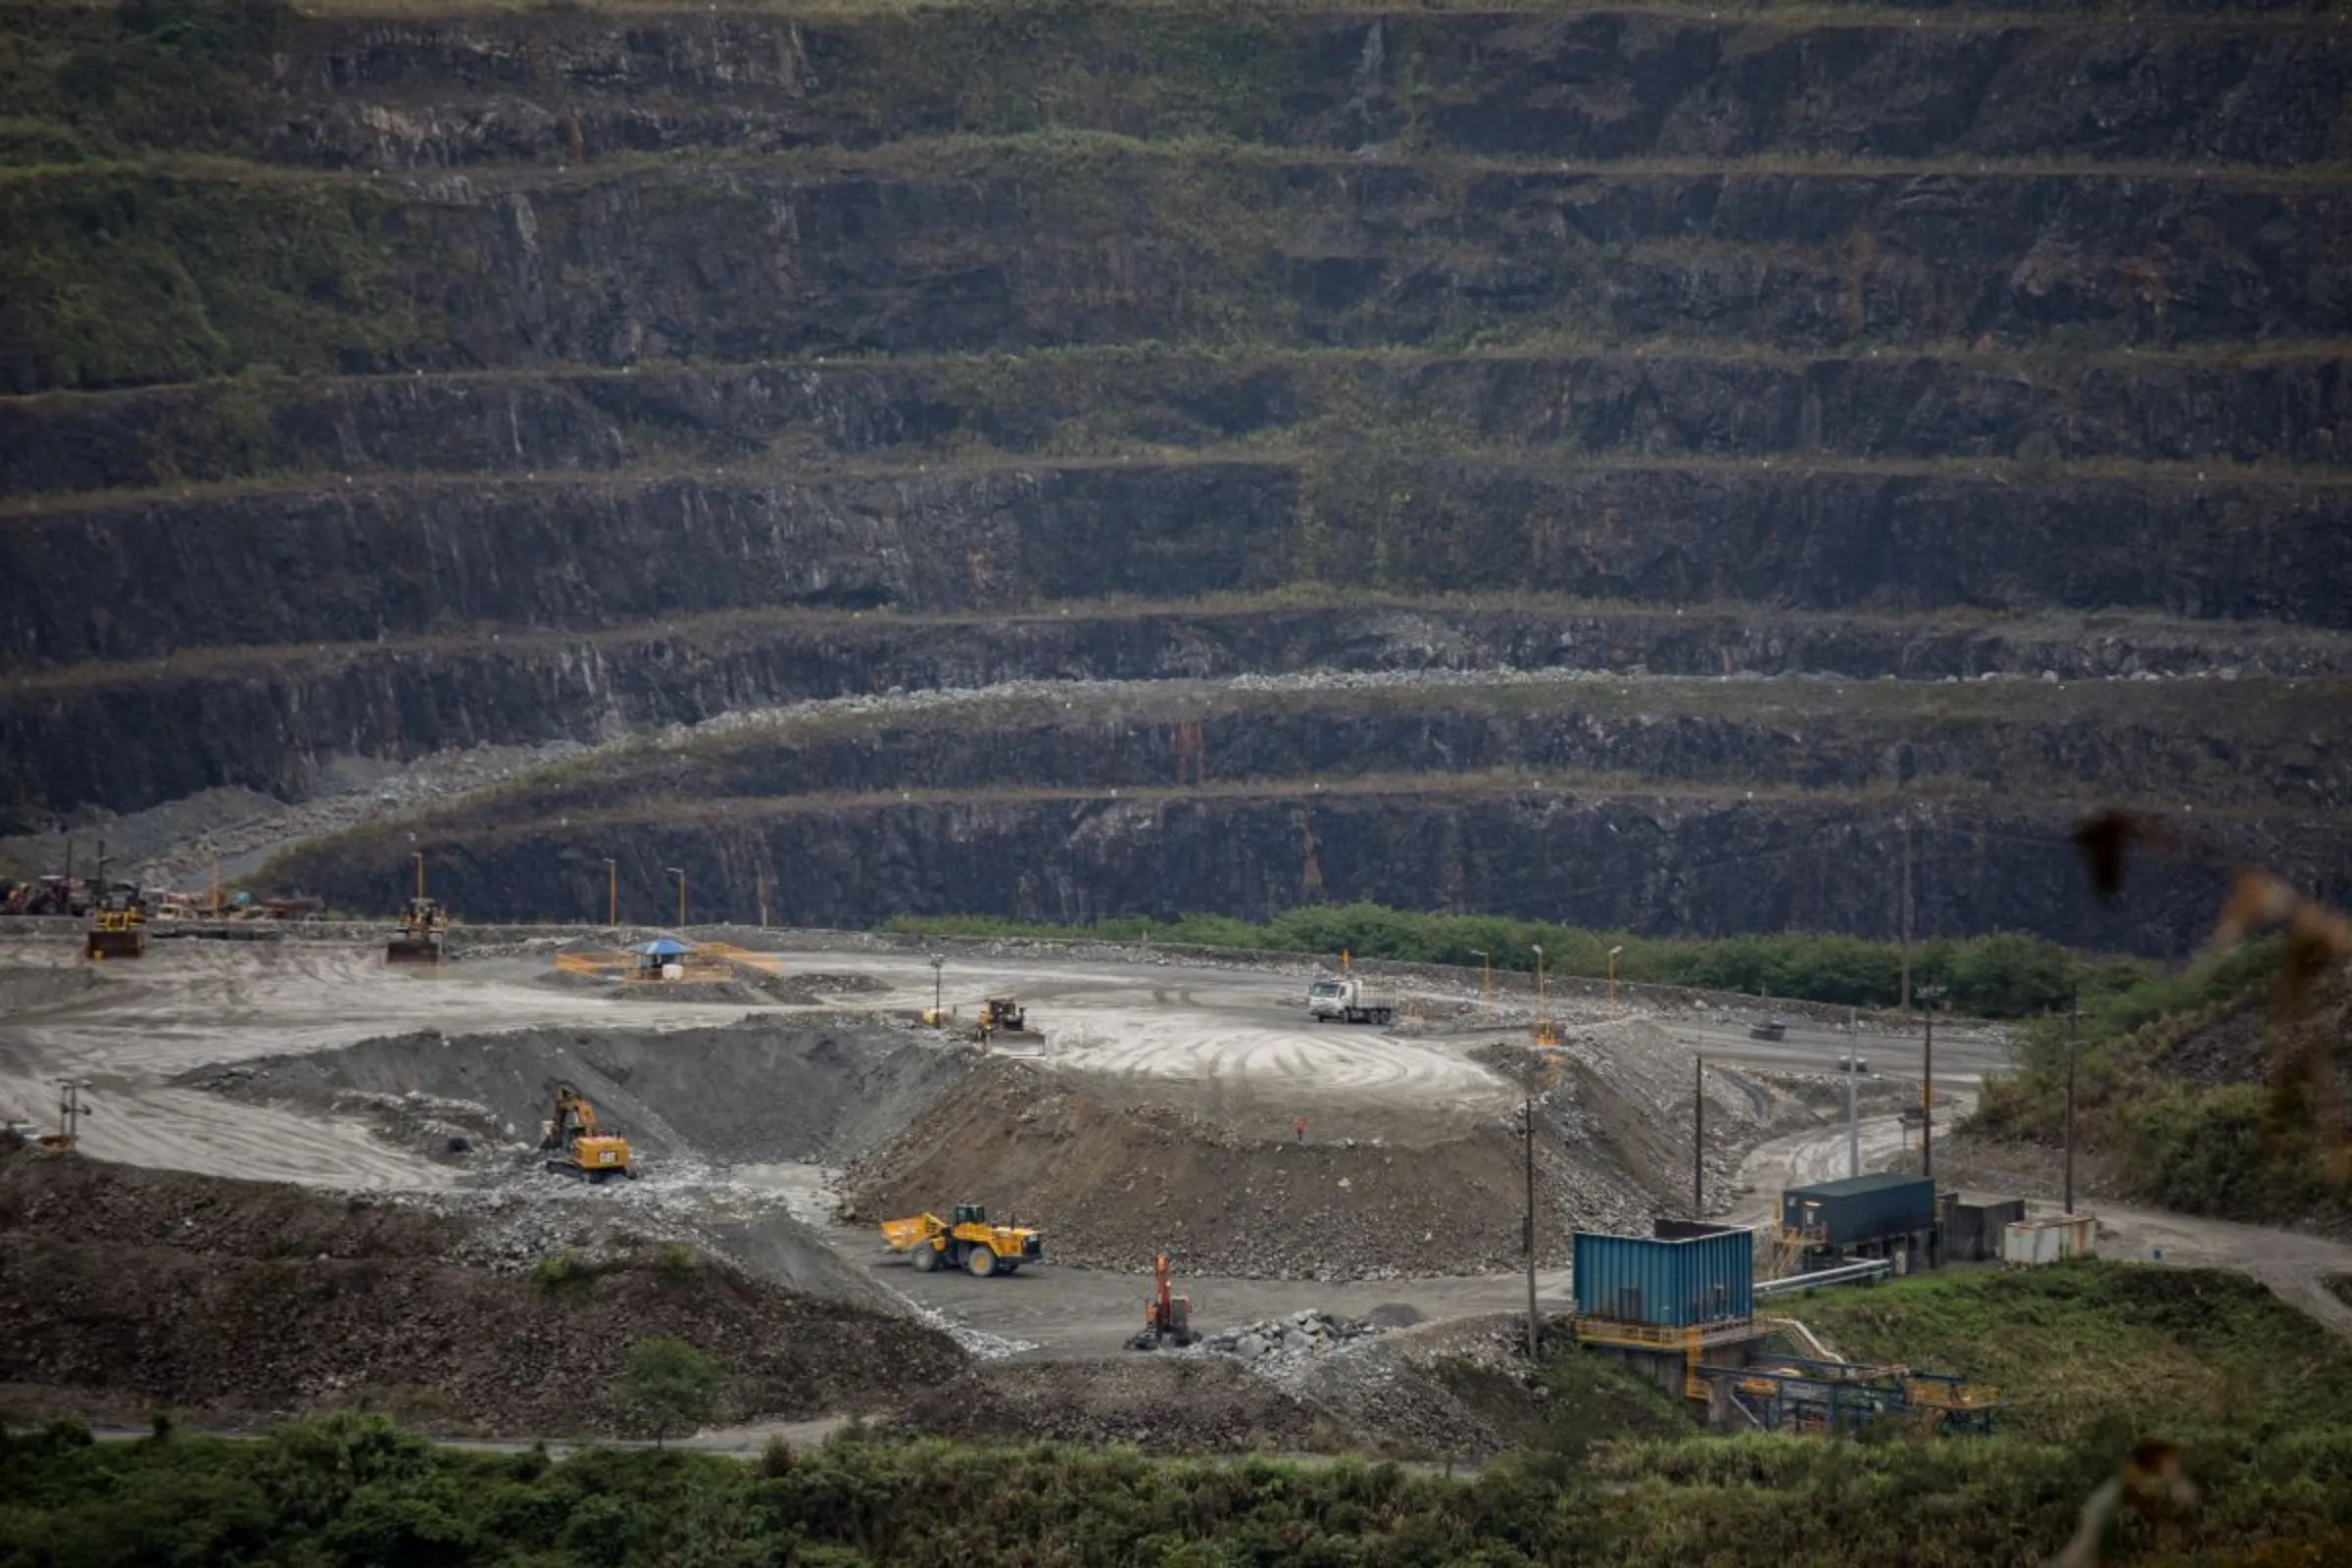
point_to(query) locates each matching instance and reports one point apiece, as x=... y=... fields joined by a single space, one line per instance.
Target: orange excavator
x=1167 y=1317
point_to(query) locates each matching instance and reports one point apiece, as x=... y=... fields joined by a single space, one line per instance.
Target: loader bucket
x=412 y=949
x=116 y=944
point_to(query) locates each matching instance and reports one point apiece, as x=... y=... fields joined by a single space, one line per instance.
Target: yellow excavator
x=580 y=1149
x=967 y=1241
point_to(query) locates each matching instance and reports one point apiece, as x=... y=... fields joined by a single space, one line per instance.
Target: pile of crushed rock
x=1295 y=1337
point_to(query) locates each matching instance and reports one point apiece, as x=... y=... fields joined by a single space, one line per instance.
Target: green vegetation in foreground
x=2170 y=1088
x=2099 y=1353
x=2095 y=1356
x=351 y=1489
x=2003 y=975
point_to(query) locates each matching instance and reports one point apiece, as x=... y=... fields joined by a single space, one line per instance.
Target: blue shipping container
x=1665 y=1283
x=1861 y=1209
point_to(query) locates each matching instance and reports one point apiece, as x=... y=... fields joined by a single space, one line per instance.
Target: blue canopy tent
x=652 y=955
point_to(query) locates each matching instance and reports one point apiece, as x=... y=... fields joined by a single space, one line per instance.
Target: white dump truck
x=1349 y=1000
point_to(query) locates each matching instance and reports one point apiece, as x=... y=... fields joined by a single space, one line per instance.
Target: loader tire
x=982 y=1261
x=926 y=1259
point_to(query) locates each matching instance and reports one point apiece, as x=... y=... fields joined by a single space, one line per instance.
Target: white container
x=2030 y=1242
x=673 y=972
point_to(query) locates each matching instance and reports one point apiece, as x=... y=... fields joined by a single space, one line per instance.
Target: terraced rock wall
x=376 y=382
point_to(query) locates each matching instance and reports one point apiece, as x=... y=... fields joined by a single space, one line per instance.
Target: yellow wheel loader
x=117 y=928
x=422 y=924
x=967 y=1241
x=580 y=1149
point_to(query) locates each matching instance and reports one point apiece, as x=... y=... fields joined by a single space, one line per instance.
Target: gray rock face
x=1665 y=863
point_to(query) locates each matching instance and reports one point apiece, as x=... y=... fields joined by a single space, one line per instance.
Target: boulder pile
x=1283 y=1339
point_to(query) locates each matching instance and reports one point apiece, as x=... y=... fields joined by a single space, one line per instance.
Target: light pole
x=611 y=894
x=72 y=1108
x=1486 y=971
x=1927 y=996
x=1543 y=1033
x=1698 y=1144
x=1613 y=952
x=1534 y=1323
x=679 y=872
x=2074 y=1030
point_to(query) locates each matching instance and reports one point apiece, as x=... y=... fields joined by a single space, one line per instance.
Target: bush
x=671 y=1386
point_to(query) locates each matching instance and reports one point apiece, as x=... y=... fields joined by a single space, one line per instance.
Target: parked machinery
x=1002 y=1018
x=1167 y=1317
x=423 y=923
x=967 y=1241
x=580 y=1148
x=117 y=926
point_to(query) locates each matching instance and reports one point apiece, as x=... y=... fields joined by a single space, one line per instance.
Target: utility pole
x=2074 y=1030
x=1698 y=1145
x=1853 y=1096
x=419 y=856
x=938 y=961
x=763 y=901
x=1928 y=996
x=70 y=1110
x=611 y=894
x=1906 y=915
x=679 y=872
x=1534 y=1328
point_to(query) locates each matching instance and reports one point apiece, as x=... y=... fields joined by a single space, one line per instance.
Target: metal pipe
x=1843 y=1274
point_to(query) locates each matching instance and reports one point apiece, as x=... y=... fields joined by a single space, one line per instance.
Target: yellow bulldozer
x=1002 y=1018
x=117 y=928
x=967 y=1241
x=580 y=1150
x=422 y=921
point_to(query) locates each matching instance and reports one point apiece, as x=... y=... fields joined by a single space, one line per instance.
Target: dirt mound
x=805 y=1089
x=1112 y=1179
x=238 y=1299
x=1163 y=1405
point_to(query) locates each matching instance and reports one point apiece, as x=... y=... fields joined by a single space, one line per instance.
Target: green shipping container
x=1659 y=1283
